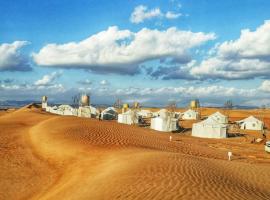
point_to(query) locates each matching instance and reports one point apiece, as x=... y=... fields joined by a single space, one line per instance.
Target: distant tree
x=172 y=106
x=117 y=104
x=228 y=105
x=76 y=100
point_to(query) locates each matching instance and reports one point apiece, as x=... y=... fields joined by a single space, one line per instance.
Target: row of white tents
x=83 y=111
x=162 y=120
x=216 y=125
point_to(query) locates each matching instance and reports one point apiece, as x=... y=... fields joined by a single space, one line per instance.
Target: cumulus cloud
x=265 y=86
x=142 y=13
x=47 y=80
x=121 y=51
x=251 y=44
x=85 y=82
x=245 y=58
x=104 y=82
x=174 y=72
x=172 y=15
x=11 y=58
x=213 y=95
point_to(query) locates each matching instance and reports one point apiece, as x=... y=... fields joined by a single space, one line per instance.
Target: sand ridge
x=76 y=158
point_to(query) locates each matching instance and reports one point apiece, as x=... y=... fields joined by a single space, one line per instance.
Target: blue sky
x=150 y=51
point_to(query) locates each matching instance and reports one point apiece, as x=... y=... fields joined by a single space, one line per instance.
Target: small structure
x=44 y=102
x=251 y=123
x=145 y=113
x=190 y=115
x=88 y=112
x=220 y=118
x=66 y=110
x=165 y=121
x=109 y=114
x=125 y=108
x=194 y=104
x=209 y=128
x=129 y=117
x=85 y=100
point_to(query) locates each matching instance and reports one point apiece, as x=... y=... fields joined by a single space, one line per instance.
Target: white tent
x=209 y=128
x=145 y=113
x=164 y=122
x=190 y=115
x=66 y=110
x=129 y=117
x=88 y=111
x=220 y=118
x=251 y=123
x=109 y=114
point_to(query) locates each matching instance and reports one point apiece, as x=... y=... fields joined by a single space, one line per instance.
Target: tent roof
x=190 y=111
x=250 y=119
x=109 y=109
x=217 y=114
x=212 y=122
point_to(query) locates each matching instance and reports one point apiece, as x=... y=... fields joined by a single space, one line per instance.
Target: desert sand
x=45 y=156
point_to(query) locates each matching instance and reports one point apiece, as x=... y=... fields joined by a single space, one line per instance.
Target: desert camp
x=134 y=100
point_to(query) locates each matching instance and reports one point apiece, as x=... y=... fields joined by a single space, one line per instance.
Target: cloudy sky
x=153 y=52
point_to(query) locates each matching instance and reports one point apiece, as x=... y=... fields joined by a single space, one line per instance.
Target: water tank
x=194 y=104
x=44 y=99
x=136 y=104
x=85 y=100
x=125 y=107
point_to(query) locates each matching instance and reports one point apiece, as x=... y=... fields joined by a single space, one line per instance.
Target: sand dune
x=44 y=156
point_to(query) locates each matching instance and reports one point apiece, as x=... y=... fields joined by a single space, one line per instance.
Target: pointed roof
x=250 y=119
x=211 y=122
x=217 y=114
x=190 y=111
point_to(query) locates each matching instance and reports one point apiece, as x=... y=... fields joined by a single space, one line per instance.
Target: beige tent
x=109 y=114
x=190 y=115
x=209 y=128
x=251 y=123
x=165 y=121
x=220 y=118
x=129 y=117
x=88 y=111
x=145 y=113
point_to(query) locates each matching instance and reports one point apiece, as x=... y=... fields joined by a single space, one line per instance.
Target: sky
x=153 y=52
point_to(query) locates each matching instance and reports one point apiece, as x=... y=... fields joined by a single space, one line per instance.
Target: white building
x=251 y=123
x=190 y=115
x=209 y=128
x=109 y=114
x=129 y=117
x=165 y=121
x=220 y=118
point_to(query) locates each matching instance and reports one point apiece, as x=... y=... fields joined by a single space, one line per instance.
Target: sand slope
x=45 y=156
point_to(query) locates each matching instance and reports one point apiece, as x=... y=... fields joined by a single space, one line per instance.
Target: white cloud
x=251 y=44
x=265 y=86
x=104 y=82
x=142 y=13
x=190 y=91
x=172 y=15
x=11 y=59
x=245 y=58
x=85 y=82
x=217 y=68
x=47 y=80
x=121 y=51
